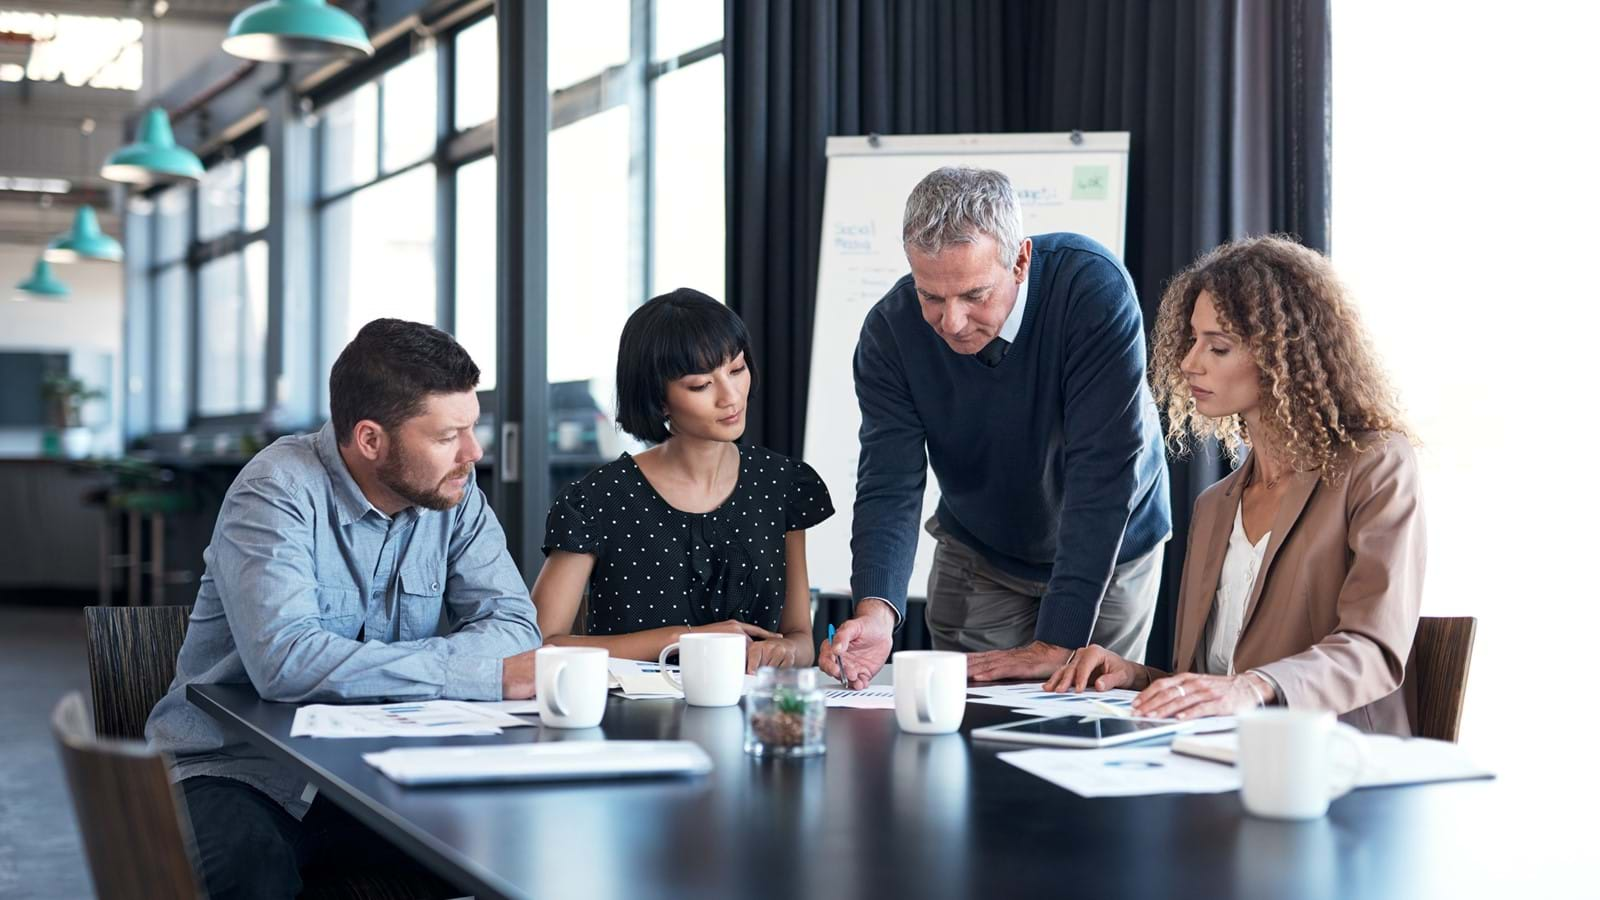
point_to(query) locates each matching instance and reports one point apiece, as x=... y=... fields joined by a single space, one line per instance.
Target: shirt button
x=434 y=586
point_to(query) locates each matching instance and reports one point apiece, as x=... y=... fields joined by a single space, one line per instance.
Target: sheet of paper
x=873 y=696
x=1044 y=703
x=1125 y=771
x=640 y=680
x=511 y=707
x=635 y=679
x=428 y=718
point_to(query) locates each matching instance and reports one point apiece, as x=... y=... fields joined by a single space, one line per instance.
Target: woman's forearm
x=644 y=645
x=804 y=651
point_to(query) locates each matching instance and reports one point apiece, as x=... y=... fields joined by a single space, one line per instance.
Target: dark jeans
x=250 y=847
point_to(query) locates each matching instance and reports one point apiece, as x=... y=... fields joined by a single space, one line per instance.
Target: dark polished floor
x=41 y=658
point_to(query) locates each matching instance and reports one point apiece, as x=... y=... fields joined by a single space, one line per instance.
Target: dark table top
x=886 y=814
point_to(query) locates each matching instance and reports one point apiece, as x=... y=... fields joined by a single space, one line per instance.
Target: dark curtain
x=1227 y=103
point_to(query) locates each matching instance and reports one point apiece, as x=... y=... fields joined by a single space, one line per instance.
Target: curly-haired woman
x=1303 y=577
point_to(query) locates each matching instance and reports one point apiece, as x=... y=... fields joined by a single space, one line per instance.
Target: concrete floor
x=41 y=659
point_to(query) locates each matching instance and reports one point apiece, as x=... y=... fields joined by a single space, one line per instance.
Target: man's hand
x=780 y=652
x=1028 y=662
x=861 y=645
x=1097 y=669
x=516 y=677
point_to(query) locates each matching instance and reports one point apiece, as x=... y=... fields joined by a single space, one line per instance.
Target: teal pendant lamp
x=154 y=157
x=43 y=282
x=296 y=31
x=84 y=241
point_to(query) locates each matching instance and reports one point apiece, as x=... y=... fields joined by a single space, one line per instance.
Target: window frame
x=202 y=252
x=452 y=150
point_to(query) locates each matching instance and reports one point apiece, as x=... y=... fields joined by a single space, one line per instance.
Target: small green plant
x=789 y=701
x=67 y=395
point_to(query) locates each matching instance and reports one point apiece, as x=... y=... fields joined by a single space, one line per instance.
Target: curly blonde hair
x=1323 y=390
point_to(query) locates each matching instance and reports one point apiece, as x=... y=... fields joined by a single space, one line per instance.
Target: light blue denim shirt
x=311 y=594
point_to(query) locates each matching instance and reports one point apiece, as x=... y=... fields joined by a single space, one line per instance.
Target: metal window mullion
x=683 y=60
x=444 y=238
x=522 y=252
x=641 y=130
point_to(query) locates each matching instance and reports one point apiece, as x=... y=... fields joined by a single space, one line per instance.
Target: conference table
x=880 y=814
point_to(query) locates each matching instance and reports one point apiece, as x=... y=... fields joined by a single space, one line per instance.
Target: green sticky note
x=1090 y=182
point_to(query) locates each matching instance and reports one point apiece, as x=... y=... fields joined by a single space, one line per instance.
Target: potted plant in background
x=66 y=395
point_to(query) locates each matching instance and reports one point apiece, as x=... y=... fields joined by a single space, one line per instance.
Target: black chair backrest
x=135 y=831
x=133 y=652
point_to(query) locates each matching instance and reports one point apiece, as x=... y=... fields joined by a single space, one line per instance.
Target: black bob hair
x=670 y=336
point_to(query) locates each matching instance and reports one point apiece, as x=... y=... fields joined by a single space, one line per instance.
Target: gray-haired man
x=1018 y=366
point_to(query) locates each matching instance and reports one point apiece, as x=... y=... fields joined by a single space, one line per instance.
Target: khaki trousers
x=973 y=606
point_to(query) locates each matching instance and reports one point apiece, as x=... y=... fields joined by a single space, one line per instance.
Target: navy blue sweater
x=1050 y=464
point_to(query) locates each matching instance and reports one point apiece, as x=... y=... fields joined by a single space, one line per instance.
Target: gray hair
x=956 y=204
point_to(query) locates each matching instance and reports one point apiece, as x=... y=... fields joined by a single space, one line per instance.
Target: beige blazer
x=1335 y=604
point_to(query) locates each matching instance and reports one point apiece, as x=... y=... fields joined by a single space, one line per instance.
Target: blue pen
x=838 y=658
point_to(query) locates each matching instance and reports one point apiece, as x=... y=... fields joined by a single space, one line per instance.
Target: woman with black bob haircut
x=696 y=533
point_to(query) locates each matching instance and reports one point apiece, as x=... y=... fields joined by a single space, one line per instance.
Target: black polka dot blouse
x=656 y=565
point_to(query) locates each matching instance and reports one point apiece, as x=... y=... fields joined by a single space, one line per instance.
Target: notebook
x=1390 y=760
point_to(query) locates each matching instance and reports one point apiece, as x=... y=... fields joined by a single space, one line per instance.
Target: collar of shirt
x=352 y=504
x=1013 y=323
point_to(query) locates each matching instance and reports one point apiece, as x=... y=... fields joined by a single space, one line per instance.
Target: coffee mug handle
x=1352 y=738
x=667 y=673
x=925 y=697
x=556 y=706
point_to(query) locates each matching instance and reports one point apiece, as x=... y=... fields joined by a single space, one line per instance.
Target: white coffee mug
x=1286 y=758
x=712 y=665
x=930 y=690
x=571 y=683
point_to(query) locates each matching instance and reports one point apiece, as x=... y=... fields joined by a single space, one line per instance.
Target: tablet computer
x=1080 y=731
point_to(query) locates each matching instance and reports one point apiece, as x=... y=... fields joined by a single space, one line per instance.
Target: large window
x=173 y=223
x=402 y=195
x=231 y=282
x=635 y=195
x=1469 y=253
x=388 y=169
x=476 y=251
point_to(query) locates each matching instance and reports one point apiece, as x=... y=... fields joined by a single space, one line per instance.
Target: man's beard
x=396 y=473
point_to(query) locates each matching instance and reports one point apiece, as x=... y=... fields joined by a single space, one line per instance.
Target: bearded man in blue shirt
x=357 y=563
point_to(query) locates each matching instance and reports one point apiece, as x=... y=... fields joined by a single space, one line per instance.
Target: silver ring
x=1180 y=690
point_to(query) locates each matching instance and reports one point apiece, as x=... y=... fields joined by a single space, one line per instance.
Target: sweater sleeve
x=1106 y=404
x=892 y=472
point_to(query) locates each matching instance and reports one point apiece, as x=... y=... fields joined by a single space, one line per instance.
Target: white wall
x=87 y=322
x=1464 y=191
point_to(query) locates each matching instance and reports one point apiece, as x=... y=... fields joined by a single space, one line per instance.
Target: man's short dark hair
x=673 y=335
x=387 y=372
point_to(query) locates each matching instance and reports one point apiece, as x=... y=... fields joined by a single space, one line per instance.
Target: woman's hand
x=1189 y=696
x=780 y=652
x=1096 y=668
x=734 y=626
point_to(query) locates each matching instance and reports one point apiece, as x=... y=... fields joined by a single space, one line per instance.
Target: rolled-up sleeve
x=263 y=558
